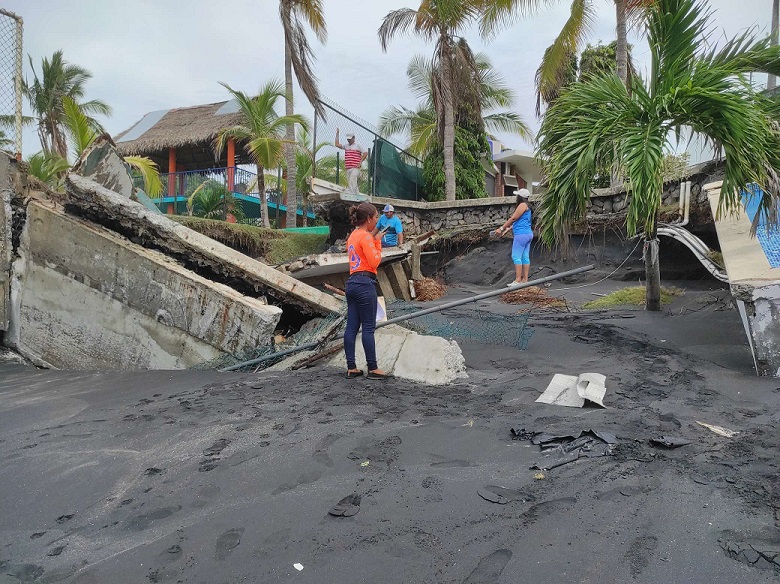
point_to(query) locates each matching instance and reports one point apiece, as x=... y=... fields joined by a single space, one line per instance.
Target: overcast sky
x=148 y=55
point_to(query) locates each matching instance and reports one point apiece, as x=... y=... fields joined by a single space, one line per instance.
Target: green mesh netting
x=477 y=326
x=393 y=177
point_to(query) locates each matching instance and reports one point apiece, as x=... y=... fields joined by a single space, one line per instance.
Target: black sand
x=206 y=477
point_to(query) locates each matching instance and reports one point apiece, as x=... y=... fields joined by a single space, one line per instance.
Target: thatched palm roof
x=190 y=130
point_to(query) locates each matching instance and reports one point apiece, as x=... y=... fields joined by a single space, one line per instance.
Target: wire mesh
x=11 y=28
x=322 y=329
x=389 y=171
x=476 y=326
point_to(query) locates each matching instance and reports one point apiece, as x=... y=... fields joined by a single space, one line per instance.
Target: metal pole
x=398 y=319
x=314 y=149
x=278 y=193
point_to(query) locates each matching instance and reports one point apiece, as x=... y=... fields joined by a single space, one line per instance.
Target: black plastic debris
x=669 y=441
x=566 y=448
x=502 y=495
x=347 y=507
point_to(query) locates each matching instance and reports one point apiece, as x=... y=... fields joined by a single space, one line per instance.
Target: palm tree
x=5 y=141
x=771 y=81
x=489 y=90
x=298 y=57
x=262 y=135
x=83 y=134
x=45 y=94
x=439 y=21
x=689 y=89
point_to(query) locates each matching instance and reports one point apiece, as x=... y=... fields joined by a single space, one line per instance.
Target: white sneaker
x=511 y=284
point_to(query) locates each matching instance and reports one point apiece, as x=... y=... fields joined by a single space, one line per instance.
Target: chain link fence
x=11 y=27
x=389 y=170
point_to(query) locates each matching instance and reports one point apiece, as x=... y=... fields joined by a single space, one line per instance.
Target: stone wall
x=604 y=202
x=417 y=221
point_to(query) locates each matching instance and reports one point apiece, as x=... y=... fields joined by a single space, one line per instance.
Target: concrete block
x=429 y=359
x=85 y=298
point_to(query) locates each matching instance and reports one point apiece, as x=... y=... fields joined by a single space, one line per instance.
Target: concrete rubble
x=96 y=278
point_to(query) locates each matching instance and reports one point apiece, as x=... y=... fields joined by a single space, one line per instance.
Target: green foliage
x=470 y=148
x=49 y=168
x=675 y=166
x=275 y=246
x=212 y=200
x=634 y=295
x=5 y=141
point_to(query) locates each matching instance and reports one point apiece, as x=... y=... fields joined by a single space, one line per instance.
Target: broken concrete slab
x=6 y=247
x=85 y=298
x=202 y=254
x=409 y=355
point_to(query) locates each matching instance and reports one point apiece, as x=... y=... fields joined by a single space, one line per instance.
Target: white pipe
x=687 y=203
x=682 y=199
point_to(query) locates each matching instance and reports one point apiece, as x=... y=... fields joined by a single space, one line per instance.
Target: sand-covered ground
x=203 y=477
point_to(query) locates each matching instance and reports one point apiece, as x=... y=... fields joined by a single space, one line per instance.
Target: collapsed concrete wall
x=93 y=279
x=84 y=298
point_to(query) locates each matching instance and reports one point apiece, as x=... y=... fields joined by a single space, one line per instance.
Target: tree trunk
x=261 y=193
x=449 y=121
x=652 y=272
x=621 y=49
x=292 y=171
x=771 y=81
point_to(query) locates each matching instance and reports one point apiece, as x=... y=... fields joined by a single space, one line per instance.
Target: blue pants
x=521 y=248
x=361 y=313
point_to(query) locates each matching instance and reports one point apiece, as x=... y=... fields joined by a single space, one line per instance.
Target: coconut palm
x=439 y=21
x=59 y=79
x=690 y=89
x=298 y=58
x=487 y=86
x=82 y=134
x=262 y=134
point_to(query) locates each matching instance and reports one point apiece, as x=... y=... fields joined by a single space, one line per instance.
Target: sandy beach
x=204 y=477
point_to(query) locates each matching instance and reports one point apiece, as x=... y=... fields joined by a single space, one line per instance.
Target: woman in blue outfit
x=520 y=222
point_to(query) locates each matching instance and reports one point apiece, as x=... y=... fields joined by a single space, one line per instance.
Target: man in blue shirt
x=394 y=235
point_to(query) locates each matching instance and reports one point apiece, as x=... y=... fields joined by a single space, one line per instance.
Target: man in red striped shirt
x=354 y=155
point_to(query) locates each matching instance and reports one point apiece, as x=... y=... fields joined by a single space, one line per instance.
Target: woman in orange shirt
x=365 y=254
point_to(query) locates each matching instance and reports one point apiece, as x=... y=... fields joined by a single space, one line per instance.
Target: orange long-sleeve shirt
x=364 y=251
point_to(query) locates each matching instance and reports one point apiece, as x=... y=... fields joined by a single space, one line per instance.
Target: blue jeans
x=361 y=313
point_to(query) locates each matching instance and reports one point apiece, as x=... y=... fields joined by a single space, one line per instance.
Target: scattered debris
x=719 y=430
x=534 y=295
x=539 y=476
x=669 y=441
x=429 y=289
x=365 y=463
x=347 y=507
x=298 y=567
x=574 y=392
x=502 y=495
x=586 y=444
x=763 y=557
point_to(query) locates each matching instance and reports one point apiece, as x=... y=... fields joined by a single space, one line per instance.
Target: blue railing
x=220 y=193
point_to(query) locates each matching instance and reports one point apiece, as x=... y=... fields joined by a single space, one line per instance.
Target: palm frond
x=149 y=172
x=510 y=123
x=397 y=22
x=82 y=134
x=499 y=14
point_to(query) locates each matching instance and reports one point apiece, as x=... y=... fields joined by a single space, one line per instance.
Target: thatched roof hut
x=190 y=131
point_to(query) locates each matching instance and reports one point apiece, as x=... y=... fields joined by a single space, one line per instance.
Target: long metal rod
x=433 y=309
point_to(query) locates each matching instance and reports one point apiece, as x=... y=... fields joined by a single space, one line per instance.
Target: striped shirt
x=352 y=155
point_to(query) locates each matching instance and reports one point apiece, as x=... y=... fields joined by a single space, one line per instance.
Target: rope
x=605 y=277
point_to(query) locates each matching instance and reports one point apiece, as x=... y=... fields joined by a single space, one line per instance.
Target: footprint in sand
x=489 y=568
x=227 y=542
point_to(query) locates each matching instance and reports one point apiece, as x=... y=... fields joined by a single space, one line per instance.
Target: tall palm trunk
x=261 y=192
x=771 y=81
x=652 y=270
x=292 y=170
x=621 y=48
x=449 y=121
